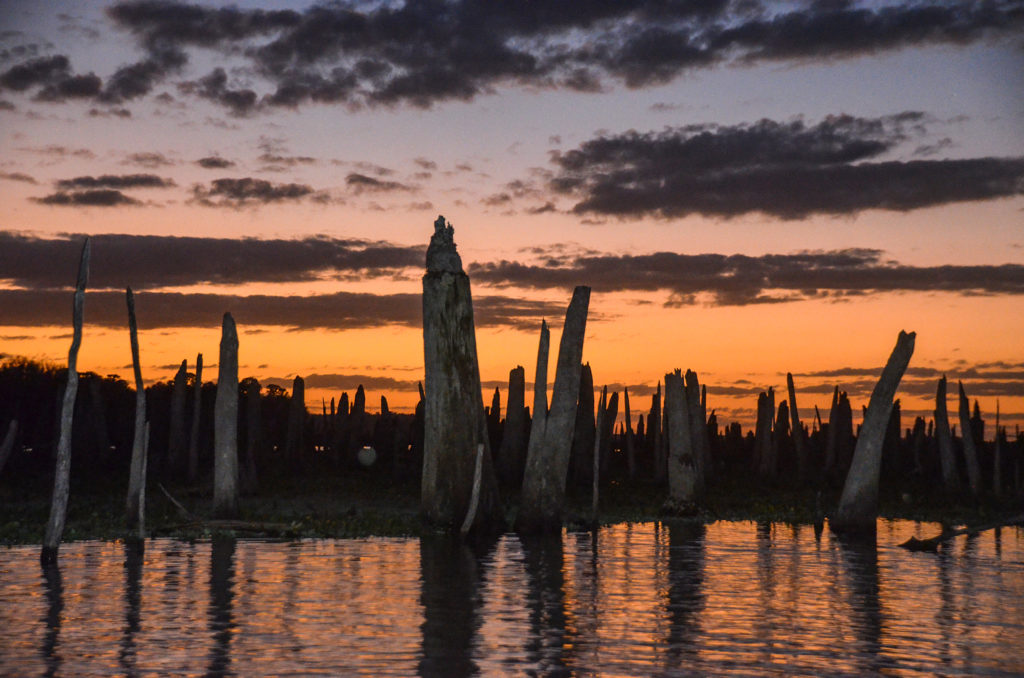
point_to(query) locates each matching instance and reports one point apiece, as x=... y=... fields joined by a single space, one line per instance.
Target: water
x=639 y=599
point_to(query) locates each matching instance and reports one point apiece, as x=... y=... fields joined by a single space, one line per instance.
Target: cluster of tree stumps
x=479 y=472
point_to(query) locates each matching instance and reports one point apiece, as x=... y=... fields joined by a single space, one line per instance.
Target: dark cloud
x=144 y=261
x=52 y=78
x=118 y=181
x=214 y=162
x=91 y=198
x=57 y=151
x=350 y=382
x=728 y=280
x=339 y=311
x=17 y=176
x=149 y=160
x=109 y=113
x=419 y=52
x=361 y=182
x=248 y=191
x=788 y=170
x=239 y=101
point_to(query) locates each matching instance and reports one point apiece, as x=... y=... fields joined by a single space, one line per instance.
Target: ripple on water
x=643 y=598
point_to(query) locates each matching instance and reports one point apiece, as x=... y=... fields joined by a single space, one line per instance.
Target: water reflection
x=222 y=593
x=640 y=599
x=53 y=585
x=543 y=561
x=685 y=592
x=860 y=557
x=450 y=576
x=134 y=556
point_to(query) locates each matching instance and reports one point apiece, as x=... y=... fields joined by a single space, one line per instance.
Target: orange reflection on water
x=651 y=598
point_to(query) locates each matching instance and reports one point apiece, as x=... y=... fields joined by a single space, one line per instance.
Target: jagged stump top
x=441 y=253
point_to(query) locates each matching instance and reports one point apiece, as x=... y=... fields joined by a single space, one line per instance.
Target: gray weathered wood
x=225 y=425
x=539 y=418
x=858 y=505
x=547 y=463
x=454 y=420
x=682 y=464
x=137 y=471
x=62 y=474
x=698 y=429
x=970 y=448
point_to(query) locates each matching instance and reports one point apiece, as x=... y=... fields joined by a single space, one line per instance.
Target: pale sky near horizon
x=750 y=188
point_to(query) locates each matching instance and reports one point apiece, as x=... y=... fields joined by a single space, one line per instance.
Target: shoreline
x=363 y=505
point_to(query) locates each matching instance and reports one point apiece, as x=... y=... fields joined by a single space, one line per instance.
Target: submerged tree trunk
x=295 y=443
x=797 y=430
x=137 y=472
x=698 y=428
x=683 y=483
x=630 y=454
x=584 y=431
x=253 y=429
x=62 y=476
x=547 y=464
x=225 y=425
x=454 y=421
x=197 y=408
x=540 y=396
x=176 y=436
x=970 y=448
x=858 y=505
x=512 y=453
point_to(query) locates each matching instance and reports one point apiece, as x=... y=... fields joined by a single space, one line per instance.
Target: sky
x=749 y=188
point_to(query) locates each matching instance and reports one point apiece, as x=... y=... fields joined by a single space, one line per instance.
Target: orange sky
x=517 y=161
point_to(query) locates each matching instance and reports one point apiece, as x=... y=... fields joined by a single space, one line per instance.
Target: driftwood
x=182 y=511
x=932 y=544
x=62 y=475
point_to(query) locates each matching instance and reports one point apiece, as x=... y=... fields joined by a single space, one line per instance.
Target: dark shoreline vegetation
x=276 y=469
x=307 y=481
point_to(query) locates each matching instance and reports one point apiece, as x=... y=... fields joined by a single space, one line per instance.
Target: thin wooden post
x=62 y=475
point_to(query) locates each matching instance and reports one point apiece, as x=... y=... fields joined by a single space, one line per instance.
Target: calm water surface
x=638 y=599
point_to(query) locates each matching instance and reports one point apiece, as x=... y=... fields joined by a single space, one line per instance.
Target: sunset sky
x=749 y=187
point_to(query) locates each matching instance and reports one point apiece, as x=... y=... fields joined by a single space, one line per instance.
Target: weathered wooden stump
x=225 y=425
x=454 y=423
x=547 y=463
x=858 y=505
